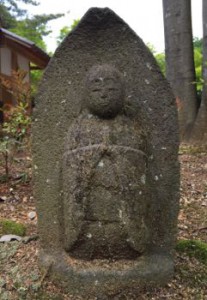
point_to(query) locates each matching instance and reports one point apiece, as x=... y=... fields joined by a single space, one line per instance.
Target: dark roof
x=24 y=47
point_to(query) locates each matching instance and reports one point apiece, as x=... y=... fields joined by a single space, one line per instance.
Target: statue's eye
x=96 y=90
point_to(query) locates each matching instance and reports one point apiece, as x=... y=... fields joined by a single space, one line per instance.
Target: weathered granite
x=106 y=173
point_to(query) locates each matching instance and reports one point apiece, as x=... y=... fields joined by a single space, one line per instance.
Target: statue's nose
x=103 y=95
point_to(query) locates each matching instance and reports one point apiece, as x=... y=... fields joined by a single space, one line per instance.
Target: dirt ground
x=20 y=277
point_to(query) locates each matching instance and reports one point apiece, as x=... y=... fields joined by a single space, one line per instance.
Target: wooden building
x=17 y=53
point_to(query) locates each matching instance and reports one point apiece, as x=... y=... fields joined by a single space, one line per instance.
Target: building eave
x=24 y=47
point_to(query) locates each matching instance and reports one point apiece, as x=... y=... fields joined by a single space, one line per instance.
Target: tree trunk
x=200 y=130
x=180 y=68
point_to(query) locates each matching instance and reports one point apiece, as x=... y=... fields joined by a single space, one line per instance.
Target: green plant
x=193 y=248
x=66 y=30
x=5 y=149
x=12 y=227
x=17 y=117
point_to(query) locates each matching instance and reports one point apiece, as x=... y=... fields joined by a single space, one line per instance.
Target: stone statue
x=105 y=157
x=105 y=174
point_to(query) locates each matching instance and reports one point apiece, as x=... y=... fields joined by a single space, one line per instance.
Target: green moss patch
x=193 y=248
x=12 y=227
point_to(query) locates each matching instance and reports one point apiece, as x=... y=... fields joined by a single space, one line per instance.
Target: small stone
x=204 y=202
x=3 y=198
x=25 y=199
x=32 y=215
x=10 y=238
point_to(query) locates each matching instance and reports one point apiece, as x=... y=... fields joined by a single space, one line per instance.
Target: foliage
x=6 y=146
x=198 y=62
x=197 y=43
x=17 y=117
x=160 y=58
x=15 y=19
x=6 y=19
x=12 y=227
x=151 y=48
x=13 y=6
x=35 y=28
x=193 y=248
x=10 y=10
x=66 y=30
x=35 y=77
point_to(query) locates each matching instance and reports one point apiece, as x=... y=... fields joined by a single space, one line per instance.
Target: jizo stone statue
x=106 y=174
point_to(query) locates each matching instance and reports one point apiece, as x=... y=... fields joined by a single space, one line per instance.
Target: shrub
x=17 y=118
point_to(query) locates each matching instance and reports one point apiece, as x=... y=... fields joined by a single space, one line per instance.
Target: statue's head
x=105 y=91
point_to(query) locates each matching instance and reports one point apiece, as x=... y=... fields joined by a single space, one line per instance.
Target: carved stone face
x=105 y=91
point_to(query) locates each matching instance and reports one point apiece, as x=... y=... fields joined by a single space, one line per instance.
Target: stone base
x=104 y=277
